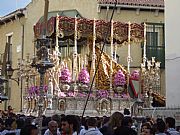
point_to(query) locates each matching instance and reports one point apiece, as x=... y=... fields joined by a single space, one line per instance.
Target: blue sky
x=7 y=6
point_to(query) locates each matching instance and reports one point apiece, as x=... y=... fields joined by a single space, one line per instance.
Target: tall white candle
x=129 y=53
x=129 y=46
x=111 y=66
x=144 y=47
x=75 y=52
x=85 y=61
x=93 y=50
x=57 y=32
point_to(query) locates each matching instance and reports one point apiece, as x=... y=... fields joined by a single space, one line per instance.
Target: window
x=9 y=59
x=155 y=42
x=9 y=41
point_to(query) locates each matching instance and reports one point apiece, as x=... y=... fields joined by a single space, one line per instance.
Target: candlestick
x=129 y=53
x=75 y=52
x=111 y=68
x=144 y=47
x=94 y=51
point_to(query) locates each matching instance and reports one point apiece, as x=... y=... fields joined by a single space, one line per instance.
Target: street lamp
x=10 y=71
x=42 y=63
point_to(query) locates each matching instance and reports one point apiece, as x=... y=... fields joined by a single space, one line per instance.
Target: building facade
x=17 y=29
x=172 y=54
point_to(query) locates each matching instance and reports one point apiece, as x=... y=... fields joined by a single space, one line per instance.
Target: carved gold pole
x=111 y=66
x=57 y=53
x=129 y=54
x=94 y=51
x=79 y=63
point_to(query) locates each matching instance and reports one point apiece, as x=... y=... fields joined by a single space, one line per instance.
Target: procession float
x=72 y=53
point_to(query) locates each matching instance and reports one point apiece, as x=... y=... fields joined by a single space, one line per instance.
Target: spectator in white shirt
x=52 y=128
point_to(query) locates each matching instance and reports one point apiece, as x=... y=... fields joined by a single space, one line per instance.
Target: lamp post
x=42 y=63
x=10 y=71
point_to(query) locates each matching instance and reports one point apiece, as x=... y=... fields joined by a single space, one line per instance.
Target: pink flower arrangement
x=119 y=79
x=84 y=76
x=70 y=94
x=102 y=93
x=135 y=74
x=36 y=89
x=62 y=94
x=65 y=76
x=31 y=90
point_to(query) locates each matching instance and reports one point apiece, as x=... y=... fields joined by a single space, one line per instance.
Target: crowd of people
x=116 y=124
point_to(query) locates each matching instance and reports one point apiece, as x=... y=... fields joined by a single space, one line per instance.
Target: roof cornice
x=142 y=4
x=132 y=6
x=12 y=16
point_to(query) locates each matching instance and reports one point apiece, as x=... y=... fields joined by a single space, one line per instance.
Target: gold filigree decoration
x=103 y=73
x=159 y=98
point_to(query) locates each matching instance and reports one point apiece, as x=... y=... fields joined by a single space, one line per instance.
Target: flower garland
x=65 y=75
x=84 y=76
x=119 y=79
